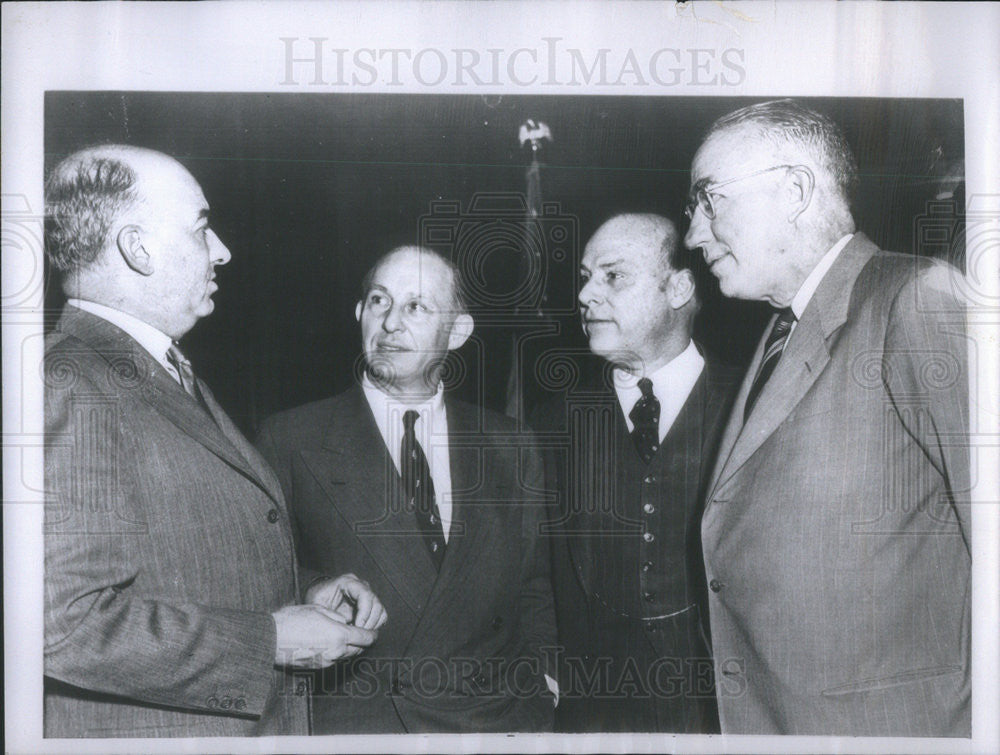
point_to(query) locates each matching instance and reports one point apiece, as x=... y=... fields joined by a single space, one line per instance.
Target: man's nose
x=220 y=252
x=393 y=320
x=588 y=294
x=700 y=232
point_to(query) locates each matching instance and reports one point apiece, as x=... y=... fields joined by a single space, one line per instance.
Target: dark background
x=307 y=190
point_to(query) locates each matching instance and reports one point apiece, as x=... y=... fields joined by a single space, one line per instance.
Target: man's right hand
x=311 y=637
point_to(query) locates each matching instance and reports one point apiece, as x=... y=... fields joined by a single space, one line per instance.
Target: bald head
x=128 y=228
x=84 y=195
x=637 y=302
x=635 y=231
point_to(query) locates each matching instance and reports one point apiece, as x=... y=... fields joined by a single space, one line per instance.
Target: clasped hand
x=339 y=619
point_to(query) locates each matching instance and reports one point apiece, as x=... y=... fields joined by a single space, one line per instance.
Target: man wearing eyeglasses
x=836 y=528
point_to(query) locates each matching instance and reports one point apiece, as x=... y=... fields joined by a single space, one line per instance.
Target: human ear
x=681 y=288
x=800 y=186
x=461 y=329
x=129 y=242
x=357 y=311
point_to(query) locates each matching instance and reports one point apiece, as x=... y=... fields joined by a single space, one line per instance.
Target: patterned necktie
x=772 y=353
x=418 y=487
x=645 y=416
x=180 y=363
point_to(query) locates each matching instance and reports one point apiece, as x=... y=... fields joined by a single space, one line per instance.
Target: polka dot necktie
x=418 y=488
x=645 y=416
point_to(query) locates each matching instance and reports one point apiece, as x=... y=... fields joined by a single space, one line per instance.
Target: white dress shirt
x=152 y=340
x=672 y=384
x=431 y=430
x=801 y=299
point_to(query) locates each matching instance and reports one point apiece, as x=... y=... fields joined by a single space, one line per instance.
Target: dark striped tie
x=645 y=416
x=418 y=487
x=772 y=353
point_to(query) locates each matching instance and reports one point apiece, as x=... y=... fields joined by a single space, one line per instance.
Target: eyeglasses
x=702 y=196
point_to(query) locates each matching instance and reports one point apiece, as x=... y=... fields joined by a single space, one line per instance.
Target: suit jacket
x=462 y=649
x=836 y=532
x=622 y=669
x=167 y=546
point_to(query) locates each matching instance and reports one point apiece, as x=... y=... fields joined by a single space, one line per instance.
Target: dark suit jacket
x=836 y=533
x=621 y=669
x=462 y=650
x=167 y=547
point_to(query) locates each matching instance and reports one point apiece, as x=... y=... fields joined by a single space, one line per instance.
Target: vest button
x=649 y=597
x=648 y=508
x=715 y=585
x=434 y=546
x=648 y=537
x=649 y=479
x=272 y=516
x=647 y=566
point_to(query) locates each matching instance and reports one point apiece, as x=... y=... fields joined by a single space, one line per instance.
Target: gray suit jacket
x=167 y=546
x=836 y=532
x=463 y=649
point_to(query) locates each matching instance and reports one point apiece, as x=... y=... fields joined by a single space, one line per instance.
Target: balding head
x=412 y=314
x=84 y=195
x=638 y=307
x=128 y=228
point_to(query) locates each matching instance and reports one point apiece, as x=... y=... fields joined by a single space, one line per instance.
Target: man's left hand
x=351 y=598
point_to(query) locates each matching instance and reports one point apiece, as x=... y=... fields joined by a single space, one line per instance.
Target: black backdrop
x=306 y=190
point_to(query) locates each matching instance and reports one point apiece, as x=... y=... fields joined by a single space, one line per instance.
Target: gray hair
x=784 y=122
x=83 y=195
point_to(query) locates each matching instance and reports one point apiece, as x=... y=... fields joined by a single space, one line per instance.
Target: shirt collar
x=812 y=281
x=385 y=406
x=152 y=340
x=683 y=370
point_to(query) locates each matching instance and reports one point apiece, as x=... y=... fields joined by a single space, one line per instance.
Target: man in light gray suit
x=170 y=578
x=836 y=530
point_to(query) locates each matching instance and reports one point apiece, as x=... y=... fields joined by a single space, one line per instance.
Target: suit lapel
x=473 y=484
x=357 y=474
x=265 y=476
x=806 y=355
x=136 y=372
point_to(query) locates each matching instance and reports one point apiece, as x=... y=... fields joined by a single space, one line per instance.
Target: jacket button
x=648 y=537
x=497 y=622
x=272 y=516
x=649 y=597
x=649 y=479
x=395 y=686
x=715 y=585
x=648 y=508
